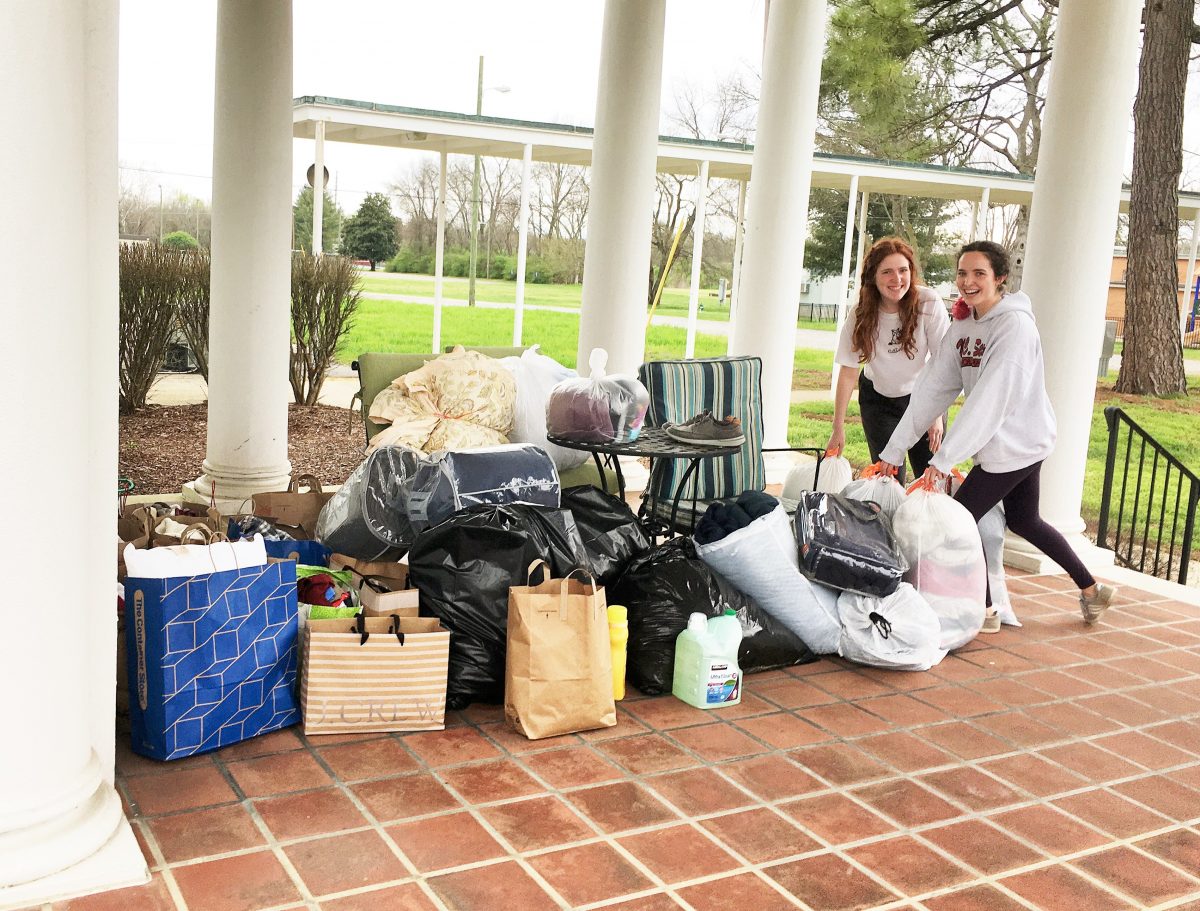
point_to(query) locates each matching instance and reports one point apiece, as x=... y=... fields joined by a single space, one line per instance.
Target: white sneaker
x=1094 y=607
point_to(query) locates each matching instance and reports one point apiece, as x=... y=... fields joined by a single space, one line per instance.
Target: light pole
x=475 y=191
x=160 y=214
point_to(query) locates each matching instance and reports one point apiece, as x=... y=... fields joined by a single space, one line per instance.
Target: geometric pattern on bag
x=213 y=659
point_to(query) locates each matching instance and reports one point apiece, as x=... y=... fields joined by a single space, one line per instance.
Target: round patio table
x=655 y=444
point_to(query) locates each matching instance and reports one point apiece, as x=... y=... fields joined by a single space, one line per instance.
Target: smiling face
x=977 y=282
x=893 y=279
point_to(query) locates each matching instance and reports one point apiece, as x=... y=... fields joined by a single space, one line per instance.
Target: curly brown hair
x=866 y=314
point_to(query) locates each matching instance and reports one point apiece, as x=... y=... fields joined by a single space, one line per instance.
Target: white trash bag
x=941 y=542
x=991 y=531
x=899 y=632
x=877 y=487
x=834 y=475
x=536 y=374
x=760 y=561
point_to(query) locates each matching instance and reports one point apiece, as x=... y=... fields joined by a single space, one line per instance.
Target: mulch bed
x=162 y=448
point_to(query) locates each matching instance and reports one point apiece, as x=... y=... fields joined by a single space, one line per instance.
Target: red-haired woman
x=890 y=333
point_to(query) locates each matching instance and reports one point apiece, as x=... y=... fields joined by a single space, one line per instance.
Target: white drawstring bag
x=834 y=475
x=899 y=632
x=760 y=560
x=877 y=487
x=991 y=532
x=941 y=542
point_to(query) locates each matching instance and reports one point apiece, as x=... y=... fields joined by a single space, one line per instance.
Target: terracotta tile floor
x=1053 y=767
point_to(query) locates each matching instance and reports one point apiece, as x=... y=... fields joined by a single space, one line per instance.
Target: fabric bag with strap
x=558 y=671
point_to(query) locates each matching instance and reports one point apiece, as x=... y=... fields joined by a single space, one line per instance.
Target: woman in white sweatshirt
x=895 y=326
x=993 y=352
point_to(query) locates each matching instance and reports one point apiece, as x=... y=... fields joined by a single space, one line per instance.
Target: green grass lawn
x=674 y=300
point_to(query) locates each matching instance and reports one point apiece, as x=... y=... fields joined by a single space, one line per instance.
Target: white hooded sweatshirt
x=1006 y=422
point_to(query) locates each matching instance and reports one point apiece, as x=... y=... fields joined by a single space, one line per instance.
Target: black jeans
x=880 y=415
x=1020 y=492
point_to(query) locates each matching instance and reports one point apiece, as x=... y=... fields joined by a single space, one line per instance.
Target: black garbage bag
x=463 y=568
x=661 y=588
x=611 y=533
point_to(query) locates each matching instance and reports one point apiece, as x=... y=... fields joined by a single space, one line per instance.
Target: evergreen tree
x=332 y=220
x=370 y=233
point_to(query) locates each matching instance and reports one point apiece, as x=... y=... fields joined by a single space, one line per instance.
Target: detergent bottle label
x=724 y=683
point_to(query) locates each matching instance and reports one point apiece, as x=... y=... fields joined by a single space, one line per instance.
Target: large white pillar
x=522 y=244
x=697 y=259
x=778 y=220
x=624 y=153
x=62 y=831
x=1073 y=219
x=249 y=338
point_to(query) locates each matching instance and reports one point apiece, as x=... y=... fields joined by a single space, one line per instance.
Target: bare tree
x=1152 y=357
x=416 y=193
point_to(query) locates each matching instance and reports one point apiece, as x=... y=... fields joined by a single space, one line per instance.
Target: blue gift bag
x=310 y=553
x=211 y=658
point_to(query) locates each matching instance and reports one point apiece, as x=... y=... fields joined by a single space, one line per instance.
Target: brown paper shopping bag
x=374 y=674
x=294 y=508
x=558 y=671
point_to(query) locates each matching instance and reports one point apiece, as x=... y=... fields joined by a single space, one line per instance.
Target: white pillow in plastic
x=881 y=489
x=991 y=532
x=900 y=631
x=941 y=542
x=760 y=560
x=536 y=374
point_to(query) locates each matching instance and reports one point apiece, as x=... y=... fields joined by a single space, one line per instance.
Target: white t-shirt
x=891 y=370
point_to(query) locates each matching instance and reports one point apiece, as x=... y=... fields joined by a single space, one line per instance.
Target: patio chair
x=680 y=389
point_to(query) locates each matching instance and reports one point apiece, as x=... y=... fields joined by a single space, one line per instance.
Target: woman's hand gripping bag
x=900 y=632
x=879 y=486
x=941 y=542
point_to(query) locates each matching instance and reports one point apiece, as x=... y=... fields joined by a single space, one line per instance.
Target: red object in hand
x=961 y=309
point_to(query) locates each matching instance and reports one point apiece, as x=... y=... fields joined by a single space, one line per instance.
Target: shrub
x=151 y=282
x=180 y=240
x=325 y=297
x=194 y=305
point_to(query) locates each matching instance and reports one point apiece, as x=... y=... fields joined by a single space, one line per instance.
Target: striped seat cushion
x=681 y=389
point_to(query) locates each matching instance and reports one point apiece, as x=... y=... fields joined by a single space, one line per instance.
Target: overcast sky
x=416 y=54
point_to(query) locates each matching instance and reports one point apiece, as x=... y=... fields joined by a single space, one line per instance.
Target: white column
x=522 y=244
x=62 y=832
x=735 y=283
x=979 y=229
x=1190 y=280
x=249 y=339
x=439 y=255
x=1073 y=219
x=624 y=153
x=697 y=256
x=318 y=241
x=864 y=205
x=843 y=300
x=778 y=222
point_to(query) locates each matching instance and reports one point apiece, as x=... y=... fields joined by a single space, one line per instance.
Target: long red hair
x=866 y=315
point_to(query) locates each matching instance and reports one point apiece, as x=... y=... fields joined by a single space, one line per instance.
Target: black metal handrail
x=1147 y=497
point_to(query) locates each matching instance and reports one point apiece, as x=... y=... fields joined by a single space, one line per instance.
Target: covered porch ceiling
x=371 y=123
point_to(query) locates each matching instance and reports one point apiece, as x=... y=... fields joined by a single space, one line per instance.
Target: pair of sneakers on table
x=1091 y=606
x=706 y=430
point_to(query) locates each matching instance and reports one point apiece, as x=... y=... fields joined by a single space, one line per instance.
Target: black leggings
x=880 y=415
x=1020 y=491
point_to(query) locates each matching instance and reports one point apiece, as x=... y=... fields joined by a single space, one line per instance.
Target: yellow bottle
x=618 y=638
